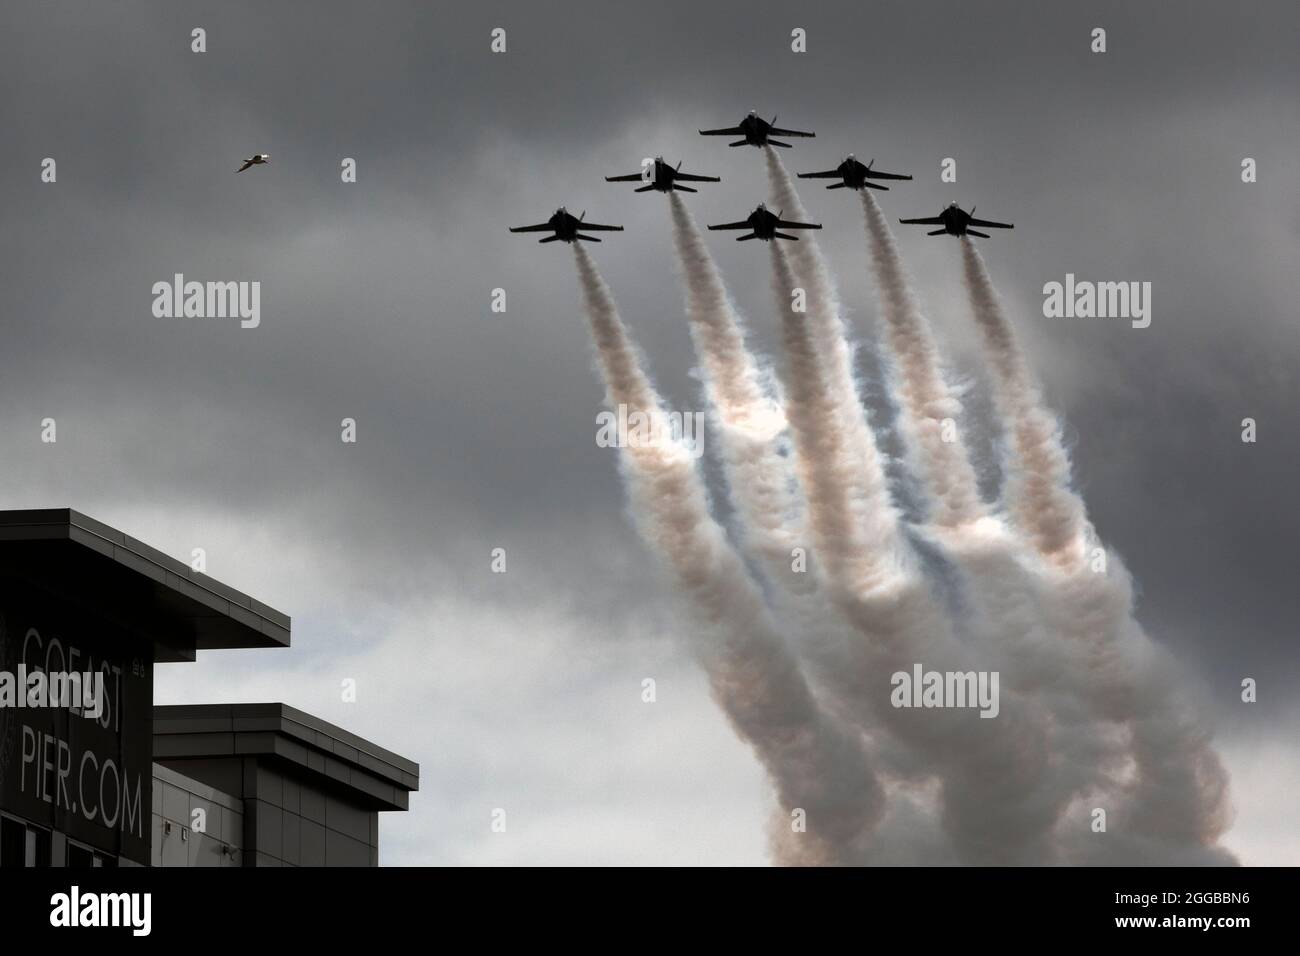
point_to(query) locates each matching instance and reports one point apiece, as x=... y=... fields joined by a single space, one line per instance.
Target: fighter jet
x=664 y=178
x=257 y=160
x=957 y=222
x=566 y=227
x=854 y=175
x=764 y=225
x=756 y=132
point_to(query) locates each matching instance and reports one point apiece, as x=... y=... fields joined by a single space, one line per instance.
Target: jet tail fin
x=871 y=185
x=643 y=189
x=742 y=142
x=785 y=235
x=752 y=235
x=685 y=189
x=937 y=232
x=972 y=232
x=837 y=186
x=587 y=238
x=550 y=239
x=777 y=142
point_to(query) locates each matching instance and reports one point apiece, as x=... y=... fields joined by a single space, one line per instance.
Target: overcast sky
x=476 y=430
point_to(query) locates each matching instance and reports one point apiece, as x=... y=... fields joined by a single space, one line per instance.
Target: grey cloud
x=476 y=430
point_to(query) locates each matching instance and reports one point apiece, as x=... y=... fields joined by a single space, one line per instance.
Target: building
x=291 y=789
x=135 y=784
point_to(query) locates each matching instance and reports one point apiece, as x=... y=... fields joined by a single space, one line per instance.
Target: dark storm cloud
x=476 y=430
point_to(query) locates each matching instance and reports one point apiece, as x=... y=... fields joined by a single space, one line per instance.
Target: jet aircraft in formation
x=755 y=131
x=567 y=227
x=853 y=175
x=766 y=225
x=761 y=223
x=663 y=178
x=956 y=221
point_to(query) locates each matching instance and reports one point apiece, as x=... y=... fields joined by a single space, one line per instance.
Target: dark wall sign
x=88 y=777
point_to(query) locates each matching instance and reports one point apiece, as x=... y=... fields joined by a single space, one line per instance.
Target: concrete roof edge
x=281 y=719
x=69 y=524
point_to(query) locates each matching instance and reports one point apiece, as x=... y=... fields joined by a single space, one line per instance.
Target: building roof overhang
x=91 y=565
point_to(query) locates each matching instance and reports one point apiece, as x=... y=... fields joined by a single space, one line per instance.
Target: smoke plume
x=1093 y=715
x=930 y=412
x=854 y=519
x=1038 y=493
x=1150 y=760
x=750 y=420
x=816 y=768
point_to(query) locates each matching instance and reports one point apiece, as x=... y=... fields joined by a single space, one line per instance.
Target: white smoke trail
x=1171 y=803
x=760 y=475
x=999 y=600
x=992 y=800
x=814 y=766
x=1091 y=716
x=854 y=518
x=930 y=411
x=1038 y=493
x=1007 y=616
x=751 y=422
x=1002 y=794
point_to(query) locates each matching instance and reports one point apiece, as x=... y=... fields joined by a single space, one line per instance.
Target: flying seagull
x=257 y=160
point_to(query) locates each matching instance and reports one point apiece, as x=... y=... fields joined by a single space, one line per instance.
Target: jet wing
x=931 y=221
x=589 y=226
x=777 y=131
x=540 y=227
x=629 y=178
x=692 y=178
x=829 y=174
x=990 y=225
x=744 y=224
x=871 y=173
x=729 y=131
x=781 y=223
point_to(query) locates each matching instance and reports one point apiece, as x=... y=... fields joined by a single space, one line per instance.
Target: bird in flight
x=257 y=160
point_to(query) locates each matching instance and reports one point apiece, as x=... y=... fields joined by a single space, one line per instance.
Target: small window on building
x=38 y=847
x=79 y=856
x=22 y=844
x=83 y=856
x=13 y=843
